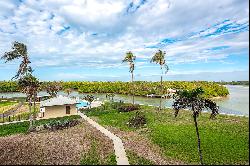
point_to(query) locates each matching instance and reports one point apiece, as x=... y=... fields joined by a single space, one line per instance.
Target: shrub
x=138 y=120
x=59 y=125
x=128 y=107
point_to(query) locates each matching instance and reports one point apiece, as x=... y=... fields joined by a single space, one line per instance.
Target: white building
x=57 y=107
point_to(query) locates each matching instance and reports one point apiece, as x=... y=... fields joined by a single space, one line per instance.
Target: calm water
x=236 y=103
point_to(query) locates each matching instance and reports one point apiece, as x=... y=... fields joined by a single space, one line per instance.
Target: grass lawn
x=4 y=104
x=224 y=140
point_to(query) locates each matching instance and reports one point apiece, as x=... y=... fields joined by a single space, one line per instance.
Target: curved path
x=120 y=153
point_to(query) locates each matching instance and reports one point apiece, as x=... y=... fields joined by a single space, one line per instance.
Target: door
x=67 y=109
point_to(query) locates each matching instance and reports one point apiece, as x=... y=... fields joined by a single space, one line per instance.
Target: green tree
x=90 y=99
x=53 y=88
x=159 y=58
x=19 y=50
x=130 y=58
x=194 y=101
x=28 y=83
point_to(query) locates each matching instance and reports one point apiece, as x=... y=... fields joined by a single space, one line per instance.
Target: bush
x=59 y=125
x=138 y=120
x=128 y=107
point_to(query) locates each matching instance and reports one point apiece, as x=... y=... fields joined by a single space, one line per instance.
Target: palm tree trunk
x=133 y=98
x=34 y=105
x=198 y=137
x=30 y=112
x=161 y=89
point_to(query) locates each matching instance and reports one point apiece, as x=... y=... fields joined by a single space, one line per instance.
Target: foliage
x=225 y=139
x=127 y=107
x=143 y=88
x=138 y=120
x=194 y=101
x=14 y=128
x=130 y=58
x=68 y=90
x=61 y=119
x=92 y=157
x=234 y=83
x=52 y=88
x=134 y=159
x=19 y=50
x=60 y=124
x=29 y=85
x=159 y=58
x=110 y=96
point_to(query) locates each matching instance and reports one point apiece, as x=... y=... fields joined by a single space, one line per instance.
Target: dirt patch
x=60 y=147
x=143 y=147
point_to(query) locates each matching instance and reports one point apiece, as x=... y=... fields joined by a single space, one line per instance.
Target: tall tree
x=130 y=58
x=26 y=81
x=30 y=85
x=194 y=101
x=19 y=50
x=159 y=58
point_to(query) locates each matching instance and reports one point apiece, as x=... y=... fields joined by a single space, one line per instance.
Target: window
x=67 y=109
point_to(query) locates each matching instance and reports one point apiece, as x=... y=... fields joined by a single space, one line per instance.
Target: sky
x=86 y=40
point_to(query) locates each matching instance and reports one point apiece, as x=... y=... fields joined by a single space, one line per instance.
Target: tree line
x=143 y=88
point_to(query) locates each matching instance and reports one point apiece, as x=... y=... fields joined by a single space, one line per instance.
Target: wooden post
x=9 y=118
x=19 y=117
x=3 y=117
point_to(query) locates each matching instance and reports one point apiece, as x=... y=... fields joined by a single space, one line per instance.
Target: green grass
x=134 y=159
x=92 y=157
x=22 y=127
x=15 y=128
x=224 y=140
x=6 y=103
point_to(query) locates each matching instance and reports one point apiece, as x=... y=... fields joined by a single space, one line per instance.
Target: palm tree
x=19 y=50
x=159 y=58
x=27 y=82
x=194 y=101
x=130 y=58
x=30 y=85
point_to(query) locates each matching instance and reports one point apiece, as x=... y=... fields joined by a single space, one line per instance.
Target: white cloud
x=97 y=33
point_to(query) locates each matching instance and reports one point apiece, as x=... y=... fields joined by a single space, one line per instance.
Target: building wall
x=59 y=111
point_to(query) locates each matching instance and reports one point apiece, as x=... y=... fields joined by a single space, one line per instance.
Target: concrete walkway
x=120 y=153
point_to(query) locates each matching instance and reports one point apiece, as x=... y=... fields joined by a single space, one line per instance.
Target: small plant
x=59 y=125
x=128 y=107
x=138 y=120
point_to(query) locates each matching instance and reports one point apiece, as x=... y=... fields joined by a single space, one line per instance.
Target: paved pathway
x=120 y=153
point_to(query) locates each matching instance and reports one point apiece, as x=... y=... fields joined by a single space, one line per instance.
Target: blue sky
x=87 y=39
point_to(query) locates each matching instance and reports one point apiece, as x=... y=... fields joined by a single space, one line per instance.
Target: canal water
x=236 y=103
